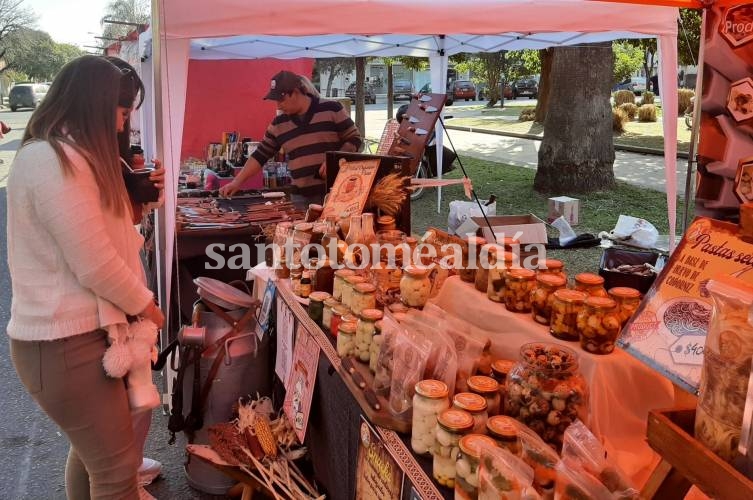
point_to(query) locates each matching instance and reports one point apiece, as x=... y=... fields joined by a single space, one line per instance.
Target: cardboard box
x=531 y=228
x=566 y=207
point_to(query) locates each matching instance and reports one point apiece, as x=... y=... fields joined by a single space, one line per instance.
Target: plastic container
x=592 y=284
x=452 y=425
x=566 y=304
x=475 y=404
x=519 y=283
x=627 y=299
x=599 y=325
x=415 y=286
x=365 y=330
x=429 y=401
x=542 y=295
x=615 y=257
x=488 y=388
x=467 y=464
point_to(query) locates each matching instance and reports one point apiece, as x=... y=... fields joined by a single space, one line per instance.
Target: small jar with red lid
x=452 y=425
x=489 y=389
x=542 y=296
x=475 y=404
x=599 y=325
x=519 y=283
x=504 y=430
x=566 y=304
x=431 y=398
x=592 y=284
x=500 y=262
x=551 y=266
x=467 y=465
x=627 y=299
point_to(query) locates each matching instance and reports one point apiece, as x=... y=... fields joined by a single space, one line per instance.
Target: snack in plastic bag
x=726 y=367
x=541 y=458
x=408 y=364
x=391 y=329
x=443 y=359
x=502 y=475
x=573 y=483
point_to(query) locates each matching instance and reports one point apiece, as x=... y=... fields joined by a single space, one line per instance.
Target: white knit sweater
x=64 y=250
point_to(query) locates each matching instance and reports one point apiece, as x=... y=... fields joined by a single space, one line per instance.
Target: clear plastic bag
x=391 y=329
x=443 y=360
x=573 y=483
x=502 y=475
x=541 y=458
x=726 y=367
x=409 y=359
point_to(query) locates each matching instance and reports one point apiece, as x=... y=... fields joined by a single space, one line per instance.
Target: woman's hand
x=158 y=175
x=154 y=314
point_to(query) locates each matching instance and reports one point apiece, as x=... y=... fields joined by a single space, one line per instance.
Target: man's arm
x=266 y=150
x=349 y=135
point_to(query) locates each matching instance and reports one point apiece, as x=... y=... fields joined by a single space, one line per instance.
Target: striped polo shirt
x=306 y=138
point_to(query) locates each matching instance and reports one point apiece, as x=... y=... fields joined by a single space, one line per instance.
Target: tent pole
x=695 y=129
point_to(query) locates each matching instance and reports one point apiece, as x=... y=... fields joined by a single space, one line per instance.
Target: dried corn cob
x=266 y=438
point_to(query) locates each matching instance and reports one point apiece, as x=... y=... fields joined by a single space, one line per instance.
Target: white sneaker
x=145 y=495
x=149 y=471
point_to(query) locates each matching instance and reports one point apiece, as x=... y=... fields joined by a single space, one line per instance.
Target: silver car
x=27 y=95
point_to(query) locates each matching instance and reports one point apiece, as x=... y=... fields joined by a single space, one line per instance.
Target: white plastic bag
x=637 y=231
x=460 y=211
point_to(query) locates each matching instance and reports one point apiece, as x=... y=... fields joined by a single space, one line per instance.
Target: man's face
x=287 y=105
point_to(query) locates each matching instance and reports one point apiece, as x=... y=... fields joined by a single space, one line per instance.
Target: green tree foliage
x=132 y=11
x=628 y=58
x=13 y=17
x=689 y=37
x=493 y=68
x=35 y=54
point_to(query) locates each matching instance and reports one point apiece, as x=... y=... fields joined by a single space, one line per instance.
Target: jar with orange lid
x=430 y=399
x=316 y=306
x=386 y=223
x=500 y=262
x=566 y=304
x=489 y=389
x=592 y=284
x=500 y=369
x=542 y=296
x=481 y=280
x=599 y=325
x=519 y=283
x=467 y=464
x=329 y=304
x=551 y=266
x=628 y=299
x=452 y=425
x=470 y=259
x=363 y=297
x=365 y=332
x=415 y=286
x=504 y=431
x=346 y=338
x=376 y=346
x=338 y=311
x=475 y=404
x=339 y=284
x=350 y=284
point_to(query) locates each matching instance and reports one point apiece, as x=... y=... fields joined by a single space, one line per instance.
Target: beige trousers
x=67 y=380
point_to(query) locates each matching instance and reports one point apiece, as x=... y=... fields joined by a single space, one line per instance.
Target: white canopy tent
x=237 y=29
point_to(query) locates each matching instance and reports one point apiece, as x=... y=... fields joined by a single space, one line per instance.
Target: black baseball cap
x=283 y=82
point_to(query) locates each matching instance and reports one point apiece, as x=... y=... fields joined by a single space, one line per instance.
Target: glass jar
x=551 y=266
x=365 y=332
x=346 y=339
x=628 y=300
x=415 y=286
x=500 y=262
x=474 y=404
x=302 y=233
x=488 y=388
x=452 y=425
x=481 y=280
x=316 y=306
x=470 y=260
x=566 y=304
x=592 y=284
x=518 y=286
x=504 y=430
x=329 y=304
x=324 y=277
x=339 y=284
x=338 y=312
x=541 y=297
x=546 y=391
x=350 y=284
x=304 y=288
x=599 y=325
x=295 y=281
x=386 y=223
x=466 y=466
x=314 y=212
x=284 y=229
x=363 y=297
x=376 y=346
x=429 y=400
x=500 y=369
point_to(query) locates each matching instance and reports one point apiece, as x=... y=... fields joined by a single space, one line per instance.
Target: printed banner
x=377 y=474
x=300 y=386
x=284 y=357
x=351 y=188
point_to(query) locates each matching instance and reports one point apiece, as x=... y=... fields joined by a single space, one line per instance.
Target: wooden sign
x=350 y=191
x=300 y=387
x=668 y=331
x=377 y=474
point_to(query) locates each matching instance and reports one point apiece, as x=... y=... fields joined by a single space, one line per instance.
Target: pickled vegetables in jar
x=429 y=401
x=628 y=300
x=467 y=464
x=475 y=404
x=566 y=304
x=592 y=284
x=542 y=296
x=551 y=266
x=500 y=262
x=519 y=284
x=452 y=425
x=599 y=325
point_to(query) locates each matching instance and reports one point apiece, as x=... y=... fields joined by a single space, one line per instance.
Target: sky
x=69 y=21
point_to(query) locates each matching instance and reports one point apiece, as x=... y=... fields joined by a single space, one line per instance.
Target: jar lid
x=371 y=314
x=589 y=279
x=469 y=402
x=571 y=296
x=600 y=302
x=552 y=279
x=476 y=240
x=502 y=366
x=385 y=220
x=304 y=227
x=472 y=444
x=319 y=296
x=354 y=280
x=552 y=264
x=364 y=288
x=340 y=310
x=378 y=326
x=521 y=274
x=483 y=384
x=432 y=389
x=315 y=206
x=455 y=420
x=350 y=318
x=624 y=292
x=347 y=327
x=411 y=241
x=398 y=307
x=344 y=273
x=331 y=302
x=416 y=271
x=502 y=426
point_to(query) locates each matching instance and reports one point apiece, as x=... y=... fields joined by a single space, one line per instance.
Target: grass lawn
x=513 y=187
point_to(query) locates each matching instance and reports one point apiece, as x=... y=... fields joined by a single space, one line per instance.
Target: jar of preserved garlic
x=542 y=296
x=519 y=283
x=551 y=266
x=329 y=304
x=452 y=425
x=483 y=264
x=338 y=312
x=316 y=306
x=348 y=289
x=628 y=300
x=363 y=297
x=474 y=404
x=500 y=262
x=429 y=401
x=470 y=260
x=592 y=284
x=376 y=345
x=339 y=283
x=566 y=304
x=599 y=325
x=346 y=339
x=415 y=286
x=488 y=388
x=504 y=430
x=467 y=464
x=365 y=332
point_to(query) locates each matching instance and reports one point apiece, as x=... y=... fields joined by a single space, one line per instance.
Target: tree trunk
x=544 y=85
x=330 y=79
x=577 y=152
x=390 y=110
x=360 y=83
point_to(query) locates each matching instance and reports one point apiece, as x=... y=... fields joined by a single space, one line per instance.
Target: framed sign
x=668 y=331
x=300 y=386
x=351 y=189
x=284 y=357
x=377 y=474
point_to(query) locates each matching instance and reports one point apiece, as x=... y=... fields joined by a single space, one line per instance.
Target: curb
x=617 y=147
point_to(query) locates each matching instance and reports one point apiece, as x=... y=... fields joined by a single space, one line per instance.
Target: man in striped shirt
x=306 y=129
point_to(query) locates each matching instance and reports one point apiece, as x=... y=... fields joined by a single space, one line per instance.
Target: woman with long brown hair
x=73 y=259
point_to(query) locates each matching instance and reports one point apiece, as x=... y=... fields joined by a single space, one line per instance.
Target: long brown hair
x=80 y=110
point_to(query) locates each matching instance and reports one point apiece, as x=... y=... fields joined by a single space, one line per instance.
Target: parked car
x=402 y=89
x=525 y=87
x=463 y=89
x=636 y=84
x=426 y=89
x=504 y=91
x=27 y=95
x=369 y=96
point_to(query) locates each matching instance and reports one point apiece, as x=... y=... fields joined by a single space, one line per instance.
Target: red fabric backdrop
x=227 y=95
